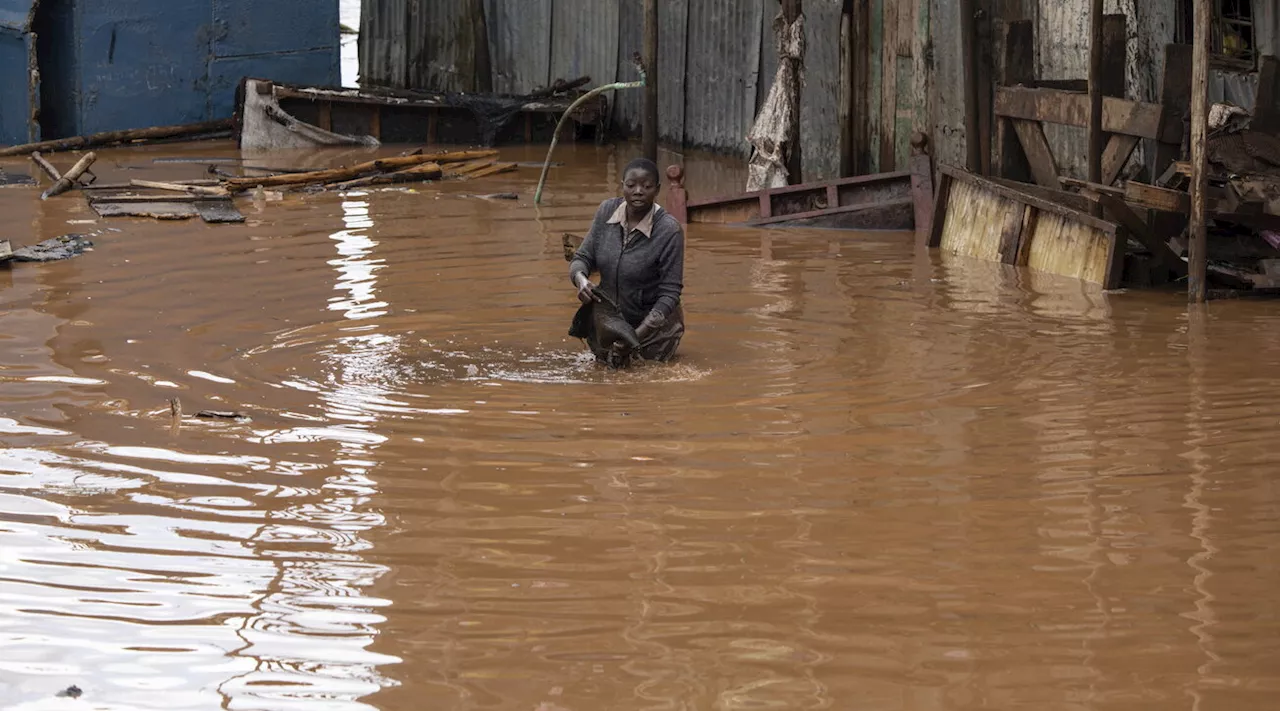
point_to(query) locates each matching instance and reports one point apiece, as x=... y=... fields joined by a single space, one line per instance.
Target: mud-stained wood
x=941 y=201
x=1116 y=156
x=218 y=211
x=975 y=221
x=1116 y=209
x=922 y=197
x=1036 y=148
x=1060 y=245
x=1152 y=197
x=159 y=209
x=492 y=169
x=1017 y=67
x=1131 y=118
x=889 y=86
x=1175 y=98
x=1011 y=234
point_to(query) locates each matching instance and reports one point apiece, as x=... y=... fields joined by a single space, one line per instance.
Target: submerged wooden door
x=890 y=46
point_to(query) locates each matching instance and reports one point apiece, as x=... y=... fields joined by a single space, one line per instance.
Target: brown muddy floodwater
x=874 y=480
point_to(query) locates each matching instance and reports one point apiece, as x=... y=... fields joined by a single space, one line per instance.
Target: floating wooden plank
x=180 y=188
x=1131 y=118
x=493 y=169
x=6 y=250
x=1039 y=155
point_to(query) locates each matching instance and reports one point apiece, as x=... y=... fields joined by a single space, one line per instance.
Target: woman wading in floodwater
x=638 y=249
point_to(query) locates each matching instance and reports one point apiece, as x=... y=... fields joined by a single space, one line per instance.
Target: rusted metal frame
x=790 y=189
x=841 y=210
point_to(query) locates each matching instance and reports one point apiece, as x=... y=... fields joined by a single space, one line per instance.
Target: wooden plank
x=1038 y=202
x=940 y=203
x=1132 y=118
x=842 y=210
x=1156 y=198
x=1122 y=213
x=1023 y=256
x=922 y=197
x=845 y=102
x=889 y=87
x=1096 y=139
x=1017 y=67
x=1116 y=157
x=906 y=32
x=375 y=122
x=968 y=56
x=1198 y=231
x=1011 y=235
x=1039 y=156
x=861 y=110
x=1175 y=98
x=326 y=115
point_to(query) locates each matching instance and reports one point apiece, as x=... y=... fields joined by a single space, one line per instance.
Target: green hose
x=537 y=198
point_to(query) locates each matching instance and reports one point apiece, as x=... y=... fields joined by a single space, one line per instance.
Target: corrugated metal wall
x=519 y=53
x=584 y=40
x=820 y=111
x=723 y=73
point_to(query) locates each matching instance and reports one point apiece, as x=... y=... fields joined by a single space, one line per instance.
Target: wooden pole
x=650 y=129
x=1198 y=258
x=791 y=11
x=968 y=56
x=1095 y=92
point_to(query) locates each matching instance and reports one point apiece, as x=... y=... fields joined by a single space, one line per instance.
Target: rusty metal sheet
x=673 y=32
x=628 y=106
x=519 y=44
x=584 y=40
x=723 y=77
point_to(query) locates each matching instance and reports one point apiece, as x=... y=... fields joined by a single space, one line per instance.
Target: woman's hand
x=586 y=290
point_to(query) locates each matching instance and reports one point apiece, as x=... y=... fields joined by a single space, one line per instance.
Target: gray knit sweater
x=648 y=275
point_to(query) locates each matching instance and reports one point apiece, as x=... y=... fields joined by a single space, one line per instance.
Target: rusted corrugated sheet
x=820 y=111
x=519 y=44
x=723 y=72
x=584 y=40
x=446 y=44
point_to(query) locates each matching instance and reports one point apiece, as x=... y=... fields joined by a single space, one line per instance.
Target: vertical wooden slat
x=922 y=197
x=861 y=118
x=1036 y=147
x=845 y=103
x=375 y=122
x=1096 y=139
x=968 y=56
x=326 y=115
x=1198 y=262
x=941 y=196
x=922 y=78
x=1017 y=66
x=889 y=85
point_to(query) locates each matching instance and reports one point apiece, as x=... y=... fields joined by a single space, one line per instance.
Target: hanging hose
x=537 y=197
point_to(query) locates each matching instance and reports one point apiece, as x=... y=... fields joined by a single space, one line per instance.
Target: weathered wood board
x=1000 y=223
x=881 y=201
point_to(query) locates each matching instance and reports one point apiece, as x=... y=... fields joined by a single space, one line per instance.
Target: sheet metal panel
x=673 y=26
x=291 y=68
x=628 y=106
x=519 y=44
x=15 y=96
x=584 y=40
x=723 y=73
x=444 y=44
x=384 y=42
x=819 y=103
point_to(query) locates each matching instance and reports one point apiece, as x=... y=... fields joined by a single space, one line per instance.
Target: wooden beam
x=791 y=11
x=922 y=195
x=1114 y=159
x=940 y=199
x=861 y=88
x=1040 y=203
x=650 y=123
x=1175 y=98
x=1156 y=198
x=1039 y=155
x=969 y=59
x=889 y=87
x=1120 y=211
x=1131 y=118
x=1198 y=257
x=845 y=101
x=1017 y=67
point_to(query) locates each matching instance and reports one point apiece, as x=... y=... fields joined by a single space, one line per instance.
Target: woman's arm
x=671 y=273
x=584 y=260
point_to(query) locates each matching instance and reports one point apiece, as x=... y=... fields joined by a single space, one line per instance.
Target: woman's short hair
x=646 y=165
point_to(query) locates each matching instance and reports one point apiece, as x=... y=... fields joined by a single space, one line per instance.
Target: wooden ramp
x=886 y=201
x=999 y=222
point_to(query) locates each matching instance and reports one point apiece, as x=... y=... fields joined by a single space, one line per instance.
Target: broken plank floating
x=167 y=207
x=870 y=202
x=996 y=222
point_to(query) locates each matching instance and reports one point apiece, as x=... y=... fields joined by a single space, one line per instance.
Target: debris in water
x=222 y=415
x=52 y=250
x=10 y=179
x=71 y=692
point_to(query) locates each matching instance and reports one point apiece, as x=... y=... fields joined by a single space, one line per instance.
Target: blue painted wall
x=108 y=65
x=15 y=91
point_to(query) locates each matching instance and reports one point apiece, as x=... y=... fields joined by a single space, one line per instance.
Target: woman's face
x=639 y=189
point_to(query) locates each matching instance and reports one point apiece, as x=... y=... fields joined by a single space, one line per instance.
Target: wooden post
x=650 y=128
x=1017 y=67
x=791 y=10
x=1095 y=92
x=845 y=105
x=969 y=57
x=677 y=202
x=1198 y=259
